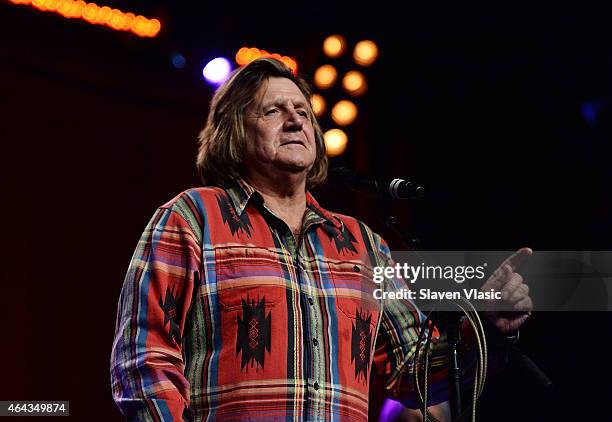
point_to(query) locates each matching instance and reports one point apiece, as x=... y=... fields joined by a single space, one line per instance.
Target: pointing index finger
x=514 y=260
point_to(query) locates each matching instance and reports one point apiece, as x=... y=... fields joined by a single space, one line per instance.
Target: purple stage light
x=217 y=70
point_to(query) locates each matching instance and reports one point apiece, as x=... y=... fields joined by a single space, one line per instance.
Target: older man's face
x=280 y=135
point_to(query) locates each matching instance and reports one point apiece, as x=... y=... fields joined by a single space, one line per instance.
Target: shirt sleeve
x=147 y=361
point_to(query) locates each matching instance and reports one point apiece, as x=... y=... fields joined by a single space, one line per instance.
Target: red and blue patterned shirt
x=226 y=315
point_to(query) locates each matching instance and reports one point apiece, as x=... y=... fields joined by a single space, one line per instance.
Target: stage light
x=591 y=111
x=241 y=56
x=344 y=112
x=354 y=83
x=154 y=27
x=45 y=5
x=70 y=9
x=139 y=27
x=365 y=53
x=178 y=60
x=334 y=46
x=325 y=76
x=217 y=70
x=117 y=20
x=318 y=104
x=94 y=14
x=246 y=55
x=91 y=13
x=335 y=142
x=252 y=54
x=292 y=64
x=105 y=12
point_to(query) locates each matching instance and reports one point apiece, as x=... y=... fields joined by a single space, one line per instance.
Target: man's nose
x=293 y=121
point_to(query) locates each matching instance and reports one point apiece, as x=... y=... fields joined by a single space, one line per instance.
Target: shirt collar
x=314 y=206
x=241 y=193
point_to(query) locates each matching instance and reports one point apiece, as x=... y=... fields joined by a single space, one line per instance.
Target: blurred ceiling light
x=325 y=76
x=318 y=104
x=334 y=46
x=246 y=55
x=217 y=70
x=354 y=83
x=365 y=53
x=97 y=15
x=344 y=112
x=335 y=142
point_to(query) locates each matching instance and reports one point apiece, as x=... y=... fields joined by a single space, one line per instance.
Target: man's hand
x=514 y=291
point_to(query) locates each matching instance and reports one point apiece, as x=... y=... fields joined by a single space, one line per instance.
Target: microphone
x=377 y=187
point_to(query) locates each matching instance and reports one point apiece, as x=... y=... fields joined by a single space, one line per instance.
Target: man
x=247 y=300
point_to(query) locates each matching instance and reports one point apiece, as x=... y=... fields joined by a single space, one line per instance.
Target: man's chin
x=295 y=167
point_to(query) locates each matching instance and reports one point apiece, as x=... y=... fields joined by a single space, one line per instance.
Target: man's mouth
x=292 y=141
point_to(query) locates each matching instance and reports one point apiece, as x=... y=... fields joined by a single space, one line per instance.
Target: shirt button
x=315 y=341
x=316 y=385
x=311 y=301
x=356 y=269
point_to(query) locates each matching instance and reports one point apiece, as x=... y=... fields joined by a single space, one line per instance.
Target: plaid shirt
x=224 y=315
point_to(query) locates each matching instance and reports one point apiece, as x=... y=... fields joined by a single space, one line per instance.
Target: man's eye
x=302 y=113
x=271 y=112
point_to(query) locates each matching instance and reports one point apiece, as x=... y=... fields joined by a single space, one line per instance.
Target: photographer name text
x=429 y=294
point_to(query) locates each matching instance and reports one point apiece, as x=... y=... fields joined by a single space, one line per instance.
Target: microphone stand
x=451 y=321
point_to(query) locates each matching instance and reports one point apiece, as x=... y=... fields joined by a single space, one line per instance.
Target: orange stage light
x=318 y=104
x=344 y=112
x=325 y=76
x=354 y=83
x=246 y=55
x=365 y=53
x=334 y=46
x=94 y=14
x=335 y=142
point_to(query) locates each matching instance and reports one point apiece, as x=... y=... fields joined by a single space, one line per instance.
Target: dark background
x=501 y=110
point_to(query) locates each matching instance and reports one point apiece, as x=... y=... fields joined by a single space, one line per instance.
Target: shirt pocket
x=354 y=288
x=248 y=276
